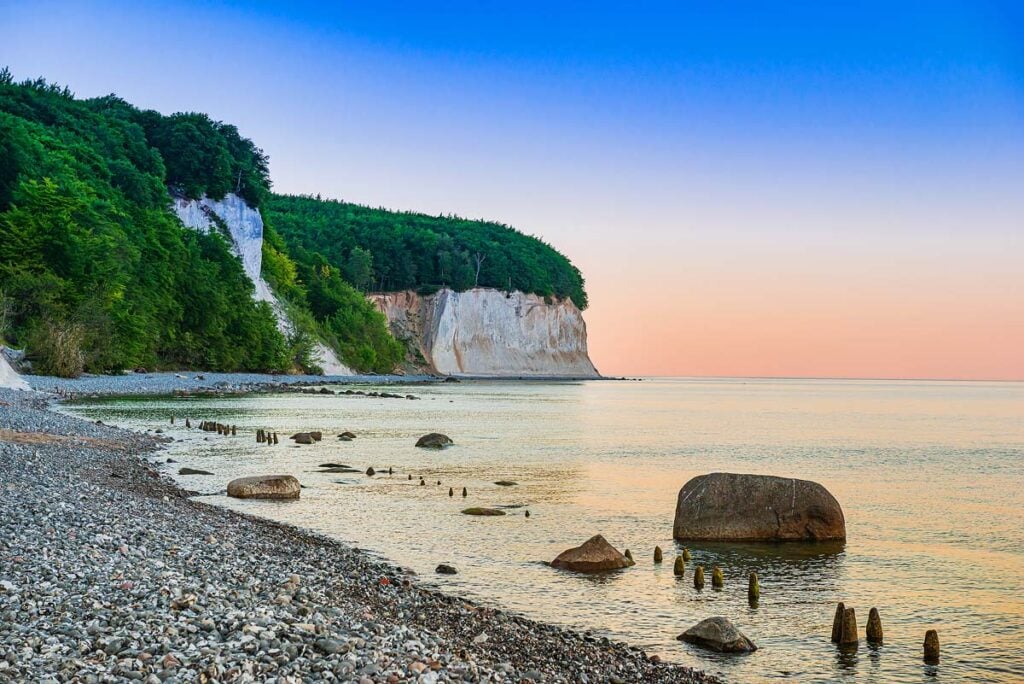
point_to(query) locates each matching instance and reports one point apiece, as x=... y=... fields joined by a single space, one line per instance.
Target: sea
x=930 y=476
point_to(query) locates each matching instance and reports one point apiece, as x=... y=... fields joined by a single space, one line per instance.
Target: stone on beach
x=740 y=507
x=265 y=487
x=594 y=555
x=718 y=634
x=434 y=440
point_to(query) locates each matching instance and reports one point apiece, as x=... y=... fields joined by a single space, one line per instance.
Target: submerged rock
x=718 y=634
x=506 y=483
x=444 y=569
x=303 y=438
x=264 y=487
x=193 y=471
x=477 y=510
x=594 y=555
x=435 y=440
x=736 y=507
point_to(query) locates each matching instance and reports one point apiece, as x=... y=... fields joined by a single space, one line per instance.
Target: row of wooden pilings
x=844 y=625
x=844 y=632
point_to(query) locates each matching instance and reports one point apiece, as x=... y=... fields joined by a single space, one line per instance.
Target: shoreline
x=172 y=587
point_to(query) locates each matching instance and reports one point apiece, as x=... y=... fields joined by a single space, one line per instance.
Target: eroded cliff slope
x=243 y=226
x=489 y=333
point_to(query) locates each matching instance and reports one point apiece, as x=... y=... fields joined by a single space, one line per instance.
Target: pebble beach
x=111 y=572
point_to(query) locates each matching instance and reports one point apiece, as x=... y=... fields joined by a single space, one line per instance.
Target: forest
x=98 y=275
x=383 y=250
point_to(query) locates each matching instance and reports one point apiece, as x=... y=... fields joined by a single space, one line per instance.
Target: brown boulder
x=594 y=555
x=435 y=440
x=303 y=438
x=718 y=634
x=265 y=487
x=734 y=507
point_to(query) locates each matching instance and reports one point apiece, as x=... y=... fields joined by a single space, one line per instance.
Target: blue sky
x=692 y=158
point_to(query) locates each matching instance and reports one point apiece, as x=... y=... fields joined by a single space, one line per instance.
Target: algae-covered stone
x=265 y=487
x=718 y=634
x=698 y=577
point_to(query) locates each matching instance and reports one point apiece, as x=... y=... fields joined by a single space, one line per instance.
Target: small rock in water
x=370 y=471
x=444 y=569
x=434 y=440
x=718 y=634
x=506 y=483
x=483 y=511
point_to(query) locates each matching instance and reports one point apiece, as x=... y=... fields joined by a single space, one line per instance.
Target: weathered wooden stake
x=234 y=430
x=931 y=647
x=837 y=623
x=172 y=420
x=465 y=492
x=686 y=555
x=698 y=577
x=657 y=554
x=874 y=629
x=275 y=438
x=717 y=578
x=849 y=634
x=188 y=424
x=451 y=491
x=753 y=589
x=678 y=568
x=628 y=554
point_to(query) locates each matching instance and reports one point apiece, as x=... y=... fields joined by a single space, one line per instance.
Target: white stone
x=490 y=333
x=9 y=378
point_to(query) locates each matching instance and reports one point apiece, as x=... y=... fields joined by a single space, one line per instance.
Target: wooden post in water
x=837 y=623
x=172 y=420
x=465 y=492
x=874 y=629
x=753 y=589
x=849 y=634
x=686 y=555
x=678 y=567
x=275 y=438
x=657 y=554
x=931 y=647
x=629 y=555
x=188 y=424
x=698 y=577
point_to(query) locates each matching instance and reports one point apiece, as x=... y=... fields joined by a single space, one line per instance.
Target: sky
x=799 y=189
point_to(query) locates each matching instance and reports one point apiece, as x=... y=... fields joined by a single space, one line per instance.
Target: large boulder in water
x=435 y=440
x=594 y=555
x=733 y=507
x=718 y=634
x=265 y=487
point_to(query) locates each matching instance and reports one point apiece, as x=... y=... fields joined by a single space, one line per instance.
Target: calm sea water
x=930 y=476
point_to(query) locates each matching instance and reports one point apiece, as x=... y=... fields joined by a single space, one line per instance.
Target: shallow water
x=930 y=476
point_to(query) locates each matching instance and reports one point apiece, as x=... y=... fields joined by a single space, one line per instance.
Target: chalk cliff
x=9 y=378
x=490 y=333
x=243 y=226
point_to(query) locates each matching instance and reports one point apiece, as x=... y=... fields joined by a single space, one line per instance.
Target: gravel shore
x=109 y=572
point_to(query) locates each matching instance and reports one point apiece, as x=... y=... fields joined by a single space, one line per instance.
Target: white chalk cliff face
x=9 y=378
x=245 y=226
x=488 y=333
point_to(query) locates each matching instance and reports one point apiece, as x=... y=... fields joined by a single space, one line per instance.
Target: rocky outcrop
x=242 y=226
x=9 y=379
x=594 y=555
x=734 y=507
x=718 y=634
x=265 y=487
x=490 y=333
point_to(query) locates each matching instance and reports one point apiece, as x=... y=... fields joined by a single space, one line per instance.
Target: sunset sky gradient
x=753 y=190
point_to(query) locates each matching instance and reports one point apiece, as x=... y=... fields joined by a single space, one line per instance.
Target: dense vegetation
x=95 y=273
x=378 y=249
